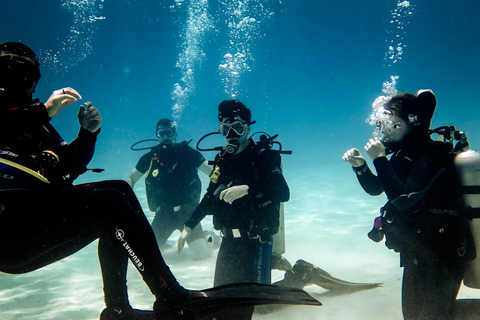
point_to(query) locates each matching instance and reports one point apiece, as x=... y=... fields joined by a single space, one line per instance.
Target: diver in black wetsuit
x=424 y=218
x=173 y=186
x=44 y=218
x=244 y=196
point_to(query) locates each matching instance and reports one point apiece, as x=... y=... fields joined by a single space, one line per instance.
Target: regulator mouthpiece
x=231 y=148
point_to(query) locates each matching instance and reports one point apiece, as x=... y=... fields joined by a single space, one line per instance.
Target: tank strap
x=471 y=189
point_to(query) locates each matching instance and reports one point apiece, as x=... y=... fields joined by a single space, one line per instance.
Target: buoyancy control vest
x=172 y=179
x=433 y=223
x=253 y=214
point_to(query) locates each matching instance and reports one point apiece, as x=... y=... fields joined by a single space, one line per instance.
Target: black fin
x=204 y=303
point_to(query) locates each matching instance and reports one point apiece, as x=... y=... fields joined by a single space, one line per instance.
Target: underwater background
x=308 y=69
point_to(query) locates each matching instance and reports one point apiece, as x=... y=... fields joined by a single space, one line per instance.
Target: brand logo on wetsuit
x=120 y=236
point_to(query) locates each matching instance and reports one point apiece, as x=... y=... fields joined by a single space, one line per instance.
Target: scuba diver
x=425 y=217
x=173 y=187
x=45 y=218
x=244 y=195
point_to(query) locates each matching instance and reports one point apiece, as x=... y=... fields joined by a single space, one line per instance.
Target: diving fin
x=203 y=304
x=305 y=273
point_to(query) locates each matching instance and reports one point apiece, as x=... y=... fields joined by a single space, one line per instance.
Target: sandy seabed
x=72 y=288
x=321 y=228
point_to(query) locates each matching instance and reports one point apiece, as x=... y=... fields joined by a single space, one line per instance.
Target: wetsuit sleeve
x=77 y=155
x=143 y=163
x=205 y=206
x=369 y=181
x=421 y=174
x=271 y=185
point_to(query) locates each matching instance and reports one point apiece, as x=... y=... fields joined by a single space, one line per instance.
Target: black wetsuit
x=172 y=180
x=432 y=235
x=43 y=223
x=248 y=224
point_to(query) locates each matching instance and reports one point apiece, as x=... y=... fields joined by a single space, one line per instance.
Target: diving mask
x=382 y=119
x=237 y=126
x=164 y=133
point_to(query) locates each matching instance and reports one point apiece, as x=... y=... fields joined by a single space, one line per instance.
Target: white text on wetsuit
x=120 y=234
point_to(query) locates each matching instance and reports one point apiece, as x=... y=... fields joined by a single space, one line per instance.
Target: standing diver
x=244 y=196
x=45 y=218
x=425 y=217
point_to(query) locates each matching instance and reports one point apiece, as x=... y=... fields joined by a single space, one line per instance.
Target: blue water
x=308 y=69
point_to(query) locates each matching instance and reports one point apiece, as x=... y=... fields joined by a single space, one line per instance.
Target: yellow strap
x=150 y=168
x=24 y=169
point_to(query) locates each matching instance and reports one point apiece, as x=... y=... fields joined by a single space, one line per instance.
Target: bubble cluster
x=396 y=44
x=389 y=89
x=243 y=20
x=77 y=45
x=191 y=56
x=396 y=32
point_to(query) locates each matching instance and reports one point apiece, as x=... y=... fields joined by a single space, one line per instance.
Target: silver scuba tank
x=467 y=164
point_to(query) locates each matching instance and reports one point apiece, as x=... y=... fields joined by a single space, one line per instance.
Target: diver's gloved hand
x=61 y=98
x=183 y=238
x=89 y=117
x=354 y=157
x=375 y=148
x=233 y=193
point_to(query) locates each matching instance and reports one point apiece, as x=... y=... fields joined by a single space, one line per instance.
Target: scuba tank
x=467 y=164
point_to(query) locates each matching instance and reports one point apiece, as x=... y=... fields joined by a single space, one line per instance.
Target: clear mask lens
x=163 y=133
x=387 y=126
x=237 y=126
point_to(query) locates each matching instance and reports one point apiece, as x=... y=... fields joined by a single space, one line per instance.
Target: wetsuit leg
x=164 y=225
x=50 y=227
x=166 y=221
x=234 y=262
x=429 y=293
x=185 y=213
x=242 y=260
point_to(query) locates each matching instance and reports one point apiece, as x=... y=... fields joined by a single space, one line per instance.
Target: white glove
x=183 y=238
x=233 y=193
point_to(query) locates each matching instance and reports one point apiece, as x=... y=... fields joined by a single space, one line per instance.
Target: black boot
x=278 y=262
x=296 y=277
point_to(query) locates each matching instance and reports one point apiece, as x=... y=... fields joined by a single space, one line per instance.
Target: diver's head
x=166 y=132
x=19 y=72
x=235 y=120
x=405 y=115
x=391 y=127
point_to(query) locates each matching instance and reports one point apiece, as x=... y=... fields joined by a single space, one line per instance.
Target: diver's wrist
x=360 y=169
